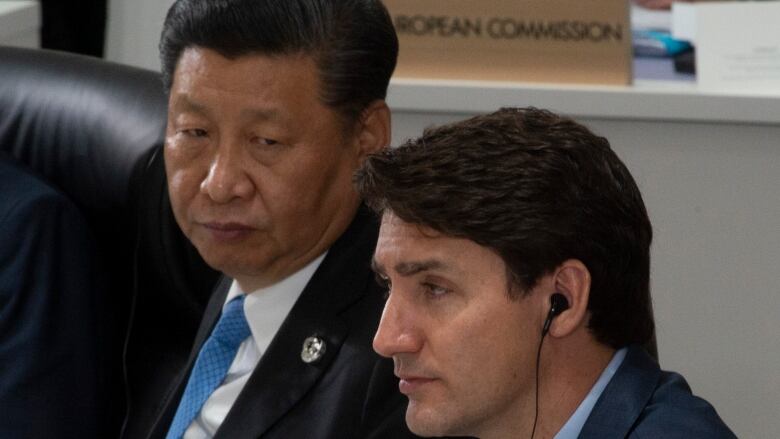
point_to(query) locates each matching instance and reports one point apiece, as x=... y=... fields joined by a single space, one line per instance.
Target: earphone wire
x=536 y=405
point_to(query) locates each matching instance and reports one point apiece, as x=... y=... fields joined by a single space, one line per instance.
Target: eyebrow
x=406 y=269
x=183 y=102
x=262 y=114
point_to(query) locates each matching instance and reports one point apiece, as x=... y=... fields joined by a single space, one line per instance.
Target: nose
x=397 y=332
x=227 y=179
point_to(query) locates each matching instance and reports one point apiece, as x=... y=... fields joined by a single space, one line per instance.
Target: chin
x=211 y=255
x=227 y=262
x=425 y=422
x=218 y=264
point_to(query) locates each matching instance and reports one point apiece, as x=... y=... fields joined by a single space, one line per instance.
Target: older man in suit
x=516 y=251
x=273 y=104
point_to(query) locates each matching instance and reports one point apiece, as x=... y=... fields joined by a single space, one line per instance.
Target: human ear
x=374 y=134
x=572 y=280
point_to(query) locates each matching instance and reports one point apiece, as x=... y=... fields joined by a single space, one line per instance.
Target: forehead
x=402 y=244
x=397 y=235
x=203 y=73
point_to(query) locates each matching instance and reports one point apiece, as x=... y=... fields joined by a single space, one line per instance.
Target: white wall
x=133 y=31
x=713 y=194
x=20 y=24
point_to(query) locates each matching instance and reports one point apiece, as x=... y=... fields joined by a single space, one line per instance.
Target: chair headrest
x=83 y=123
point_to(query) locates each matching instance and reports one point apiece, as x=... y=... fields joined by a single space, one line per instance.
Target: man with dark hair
x=273 y=104
x=500 y=233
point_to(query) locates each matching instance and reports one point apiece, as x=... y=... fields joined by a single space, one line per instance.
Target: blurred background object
x=658 y=52
x=655 y=4
x=77 y=26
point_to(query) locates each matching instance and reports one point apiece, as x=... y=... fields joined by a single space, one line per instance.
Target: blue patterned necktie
x=212 y=364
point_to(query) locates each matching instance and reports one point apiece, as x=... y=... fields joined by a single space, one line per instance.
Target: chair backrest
x=83 y=123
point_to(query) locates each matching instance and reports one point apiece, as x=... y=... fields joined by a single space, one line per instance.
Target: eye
x=383 y=282
x=264 y=141
x=435 y=291
x=194 y=132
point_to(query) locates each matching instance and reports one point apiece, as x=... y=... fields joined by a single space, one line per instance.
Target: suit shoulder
x=24 y=192
x=675 y=412
x=36 y=218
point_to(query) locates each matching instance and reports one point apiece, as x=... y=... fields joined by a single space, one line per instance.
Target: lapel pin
x=313 y=349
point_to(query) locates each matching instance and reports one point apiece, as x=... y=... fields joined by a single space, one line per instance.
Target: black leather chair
x=95 y=130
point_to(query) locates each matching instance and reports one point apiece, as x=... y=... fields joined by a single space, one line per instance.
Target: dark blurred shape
x=55 y=330
x=77 y=26
x=685 y=62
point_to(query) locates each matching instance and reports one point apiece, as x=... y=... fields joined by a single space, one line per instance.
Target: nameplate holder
x=560 y=41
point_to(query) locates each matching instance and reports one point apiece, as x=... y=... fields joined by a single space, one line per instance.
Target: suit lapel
x=174 y=392
x=624 y=398
x=281 y=378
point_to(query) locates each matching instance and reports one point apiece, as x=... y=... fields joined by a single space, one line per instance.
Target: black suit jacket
x=350 y=392
x=53 y=326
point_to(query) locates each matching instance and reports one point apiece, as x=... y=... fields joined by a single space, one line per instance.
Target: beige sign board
x=572 y=41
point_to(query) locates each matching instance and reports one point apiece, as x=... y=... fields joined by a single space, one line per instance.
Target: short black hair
x=353 y=42
x=538 y=189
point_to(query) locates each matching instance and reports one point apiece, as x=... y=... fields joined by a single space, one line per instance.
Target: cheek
x=310 y=183
x=513 y=348
x=183 y=185
x=493 y=348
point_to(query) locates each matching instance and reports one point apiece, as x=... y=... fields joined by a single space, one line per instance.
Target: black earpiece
x=558 y=304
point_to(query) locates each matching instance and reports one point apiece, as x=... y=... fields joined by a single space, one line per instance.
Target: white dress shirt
x=265 y=310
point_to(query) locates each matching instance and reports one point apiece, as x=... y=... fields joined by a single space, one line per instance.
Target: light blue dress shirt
x=572 y=428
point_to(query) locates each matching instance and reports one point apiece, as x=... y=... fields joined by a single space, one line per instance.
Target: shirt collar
x=266 y=308
x=572 y=428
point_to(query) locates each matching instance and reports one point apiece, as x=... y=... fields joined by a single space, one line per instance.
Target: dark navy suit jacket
x=51 y=370
x=642 y=401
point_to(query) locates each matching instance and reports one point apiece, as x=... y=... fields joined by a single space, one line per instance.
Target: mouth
x=227 y=231
x=409 y=384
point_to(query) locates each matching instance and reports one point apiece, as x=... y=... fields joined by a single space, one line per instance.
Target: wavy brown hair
x=538 y=189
